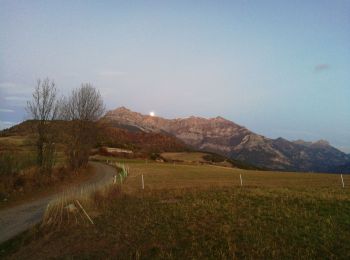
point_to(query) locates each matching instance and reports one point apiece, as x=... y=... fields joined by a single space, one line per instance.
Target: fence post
x=240 y=176
x=342 y=180
x=143 y=183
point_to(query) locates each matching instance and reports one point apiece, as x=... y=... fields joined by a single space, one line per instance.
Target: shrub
x=154 y=156
x=12 y=163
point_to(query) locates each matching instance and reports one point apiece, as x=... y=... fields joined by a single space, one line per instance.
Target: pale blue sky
x=280 y=68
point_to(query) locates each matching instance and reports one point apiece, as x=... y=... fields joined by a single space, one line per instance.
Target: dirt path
x=19 y=218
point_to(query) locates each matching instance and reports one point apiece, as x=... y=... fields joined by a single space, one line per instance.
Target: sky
x=279 y=68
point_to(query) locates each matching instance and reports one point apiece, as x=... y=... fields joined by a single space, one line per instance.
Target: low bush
x=13 y=162
x=19 y=173
x=12 y=170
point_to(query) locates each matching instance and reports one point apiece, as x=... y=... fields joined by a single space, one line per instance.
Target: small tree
x=83 y=108
x=43 y=108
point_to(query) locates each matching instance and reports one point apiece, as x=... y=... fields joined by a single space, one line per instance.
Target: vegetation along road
x=19 y=218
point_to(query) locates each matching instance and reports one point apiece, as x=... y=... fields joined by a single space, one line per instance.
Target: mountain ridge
x=225 y=137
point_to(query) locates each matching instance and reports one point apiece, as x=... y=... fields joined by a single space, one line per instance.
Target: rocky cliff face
x=237 y=142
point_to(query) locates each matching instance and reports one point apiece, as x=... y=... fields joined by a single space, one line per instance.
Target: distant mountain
x=224 y=137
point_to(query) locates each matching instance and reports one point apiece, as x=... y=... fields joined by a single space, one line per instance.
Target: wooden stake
x=85 y=212
x=342 y=180
x=240 y=176
x=143 y=183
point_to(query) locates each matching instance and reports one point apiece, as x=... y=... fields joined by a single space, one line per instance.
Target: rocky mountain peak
x=225 y=137
x=219 y=118
x=121 y=110
x=302 y=142
x=321 y=143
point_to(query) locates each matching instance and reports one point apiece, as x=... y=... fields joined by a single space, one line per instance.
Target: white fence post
x=342 y=180
x=240 y=176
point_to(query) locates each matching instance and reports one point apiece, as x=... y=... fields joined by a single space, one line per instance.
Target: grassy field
x=25 y=144
x=185 y=156
x=16 y=143
x=178 y=175
x=202 y=212
x=205 y=158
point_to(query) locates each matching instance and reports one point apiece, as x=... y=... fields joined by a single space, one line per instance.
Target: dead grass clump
x=72 y=206
x=79 y=207
x=101 y=198
x=65 y=211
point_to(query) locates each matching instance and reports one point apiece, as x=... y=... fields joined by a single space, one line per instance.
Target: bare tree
x=83 y=108
x=43 y=108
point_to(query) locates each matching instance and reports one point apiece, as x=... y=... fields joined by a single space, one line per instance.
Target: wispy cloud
x=16 y=101
x=6 y=124
x=111 y=73
x=321 y=67
x=14 y=94
x=15 y=98
x=15 y=88
x=5 y=110
x=7 y=85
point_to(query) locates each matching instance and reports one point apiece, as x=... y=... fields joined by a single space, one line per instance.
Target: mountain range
x=227 y=138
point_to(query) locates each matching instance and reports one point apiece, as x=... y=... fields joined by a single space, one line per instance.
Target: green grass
x=201 y=212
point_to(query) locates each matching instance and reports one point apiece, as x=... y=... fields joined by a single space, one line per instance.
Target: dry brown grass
x=201 y=212
x=211 y=223
x=71 y=206
x=185 y=156
x=30 y=187
x=170 y=176
x=78 y=207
